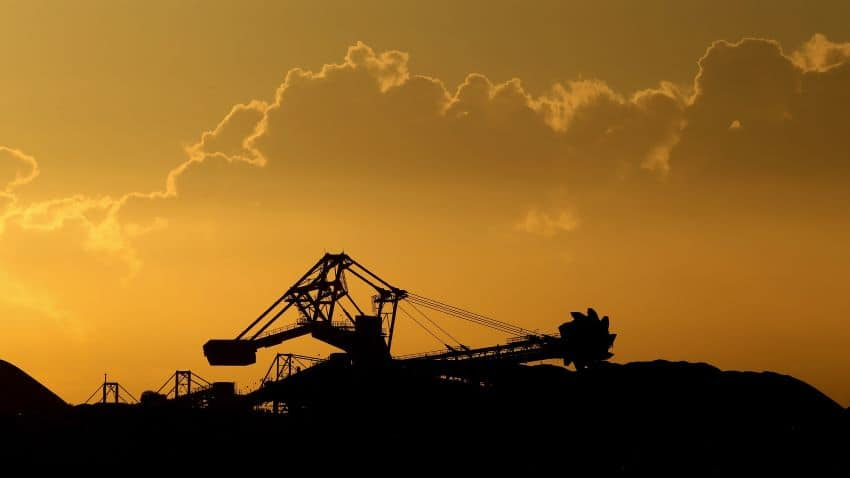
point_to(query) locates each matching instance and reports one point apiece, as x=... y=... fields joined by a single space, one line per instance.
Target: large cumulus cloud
x=368 y=131
x=759 y=115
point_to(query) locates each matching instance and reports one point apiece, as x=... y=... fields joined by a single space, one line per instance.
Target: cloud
x=24 y=166
x=470 y=150
x=367 y=132
x=786 y=112
x=820 y=54
x=100 y=217
x=547 y=224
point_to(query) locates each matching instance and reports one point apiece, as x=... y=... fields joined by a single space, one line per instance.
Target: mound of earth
x=679 y=418
x=22 y=394
x=636 y=419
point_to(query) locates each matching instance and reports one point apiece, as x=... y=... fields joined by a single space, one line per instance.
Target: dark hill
x=681 y=418
x=694 y=389
x=640 y=419
x=20 y=393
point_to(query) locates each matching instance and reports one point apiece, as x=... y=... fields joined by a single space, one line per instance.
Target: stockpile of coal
x=22 y=394
x=682 y=419
x=637 y=419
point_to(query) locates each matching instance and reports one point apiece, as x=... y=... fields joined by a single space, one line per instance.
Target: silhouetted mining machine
x=320 y=298
x=186 y=388
x=327 y=311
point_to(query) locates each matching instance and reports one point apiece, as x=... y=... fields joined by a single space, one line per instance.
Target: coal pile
x=22 y=394
x=636 y=419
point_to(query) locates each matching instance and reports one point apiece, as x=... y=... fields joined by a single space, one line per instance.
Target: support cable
x=436 y=325
x=98 y=389
x=426 y=329
x=469 y=316
x=466 y=316
x=128 y=393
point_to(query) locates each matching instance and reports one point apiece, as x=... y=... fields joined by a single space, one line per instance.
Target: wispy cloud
x=547 y=223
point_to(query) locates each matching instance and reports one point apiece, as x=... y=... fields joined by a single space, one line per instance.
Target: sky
x=168 y=169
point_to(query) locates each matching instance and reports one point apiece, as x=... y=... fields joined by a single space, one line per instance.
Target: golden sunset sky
x=168 y=169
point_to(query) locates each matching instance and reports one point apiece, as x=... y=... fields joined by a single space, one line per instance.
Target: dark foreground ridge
x=635 y=418
x=20 y=393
